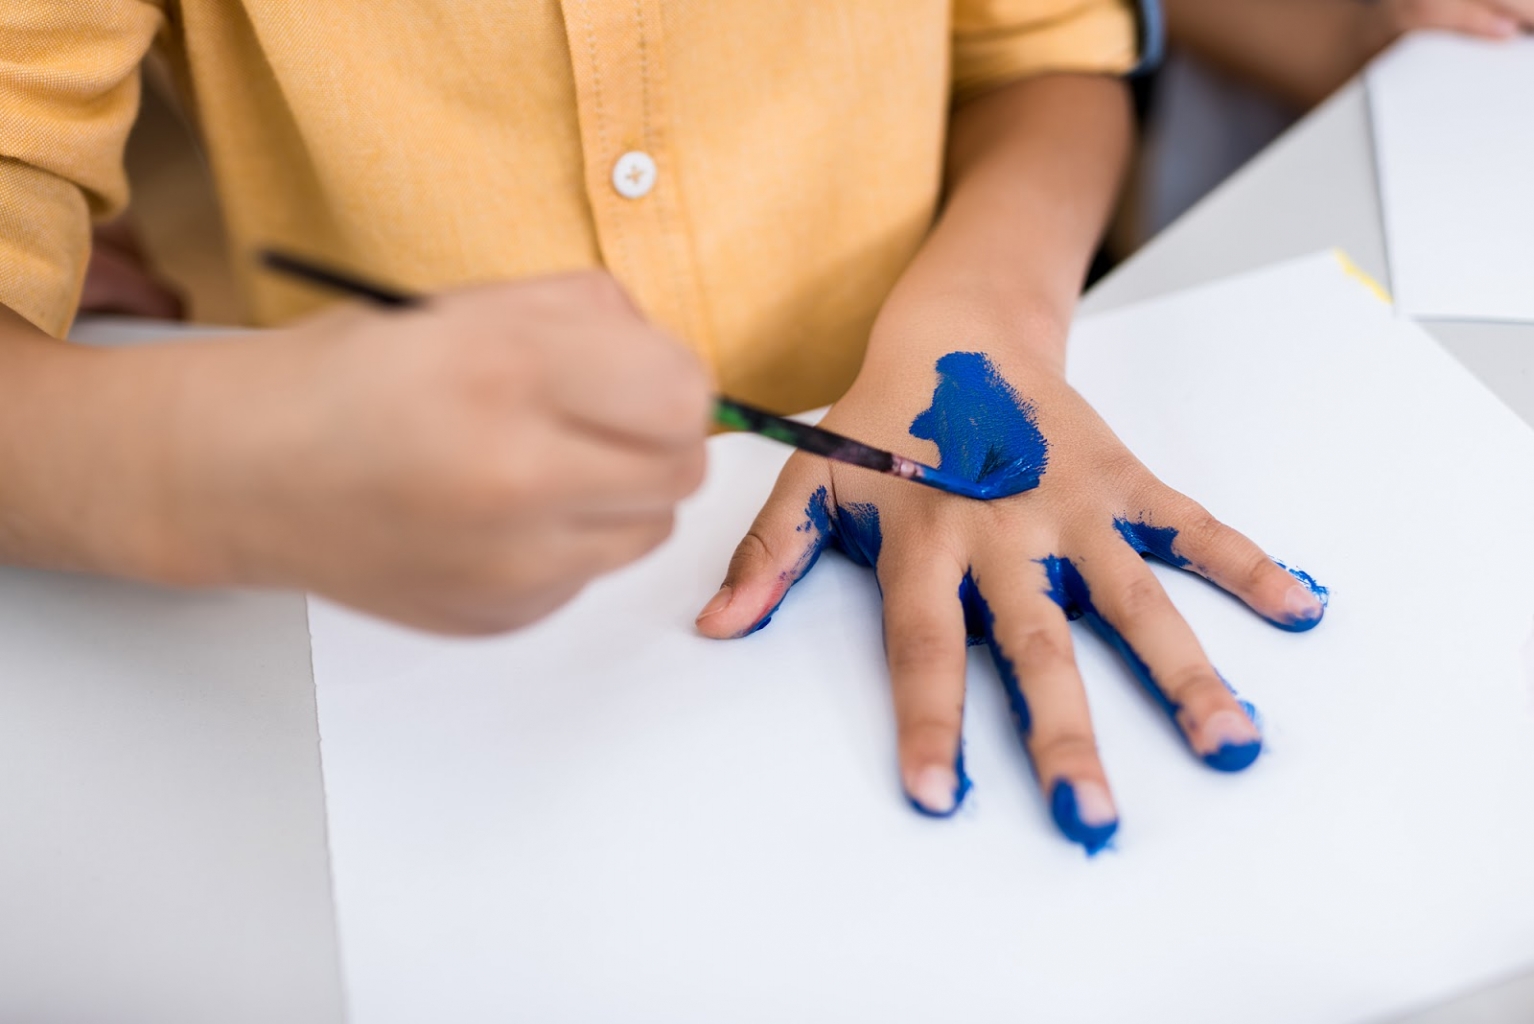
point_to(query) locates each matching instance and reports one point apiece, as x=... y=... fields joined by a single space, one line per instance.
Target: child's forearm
x=1301 y=50
x=66 y=500
x=1033 y=173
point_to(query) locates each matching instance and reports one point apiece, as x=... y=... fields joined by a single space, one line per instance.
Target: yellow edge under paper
x=1357 y=273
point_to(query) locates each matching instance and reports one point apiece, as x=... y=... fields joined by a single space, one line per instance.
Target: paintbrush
x=727 y=411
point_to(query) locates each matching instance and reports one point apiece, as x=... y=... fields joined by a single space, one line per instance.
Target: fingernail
x=1301 y=605
x=716 y=604
x=1505 y=27
x=934 y=791
x=1093 y=804
x=1231 y=741
x=1084 y=813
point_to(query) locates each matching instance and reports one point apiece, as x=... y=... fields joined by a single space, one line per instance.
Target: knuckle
x=1190 y=682
x=749 y=553
x=1256 y=568
x=1039 y=646
x=1201 y=530
x=930 y=728
x=915 y=649
x=1140 y=596
x=1054 y=745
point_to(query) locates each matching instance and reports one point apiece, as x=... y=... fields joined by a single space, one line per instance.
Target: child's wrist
x=124 y=511
x=1024 y=333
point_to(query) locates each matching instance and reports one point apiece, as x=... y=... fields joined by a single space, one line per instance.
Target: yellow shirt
x=755 y=172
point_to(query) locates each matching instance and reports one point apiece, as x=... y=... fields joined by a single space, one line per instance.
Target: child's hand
x=1491 y=19
x=1015 y=568
x=466 y=467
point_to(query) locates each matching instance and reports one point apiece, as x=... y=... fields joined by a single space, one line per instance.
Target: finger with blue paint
x=1176 y=530
x=925 y=642
x=1011 y=608
x=926 y=648
x=1121 y=599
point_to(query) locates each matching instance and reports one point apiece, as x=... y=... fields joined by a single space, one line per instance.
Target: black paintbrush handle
x=335 y=280
x=816 y=440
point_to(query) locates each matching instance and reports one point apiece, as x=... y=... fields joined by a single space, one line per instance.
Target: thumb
x=781 y=546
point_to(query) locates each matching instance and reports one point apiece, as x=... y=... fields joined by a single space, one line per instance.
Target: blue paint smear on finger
x=853 y=529
x=984 y=431
x=1157 y=541
x=1069 y=590
x=1062 y=807
x=1299 y=624
x=960 y=791
x=980 y=621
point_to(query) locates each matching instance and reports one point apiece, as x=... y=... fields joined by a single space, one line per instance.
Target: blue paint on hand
x=1300 y=624
x=855 y=531
x=960 y=791
x=984 y=431
x=1070 y=591
x=1233 y=757
x=852 y=529
x=1062 y=807
x=1151 y=540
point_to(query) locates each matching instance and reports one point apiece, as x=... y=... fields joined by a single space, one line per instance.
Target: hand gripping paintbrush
x=727 y=411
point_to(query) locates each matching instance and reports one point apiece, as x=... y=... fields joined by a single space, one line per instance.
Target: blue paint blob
x=1070 y=591
x=1323 y=594
x=1062 y=807
x=959 y=793
x=984 y=431
x=852 y=529
x=1151 y=540
x=1233 y=757
x=855 y=532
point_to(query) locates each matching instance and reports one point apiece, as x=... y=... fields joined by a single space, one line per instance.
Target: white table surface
x=163 y=855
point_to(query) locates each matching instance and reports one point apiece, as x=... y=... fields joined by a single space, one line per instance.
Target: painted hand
x=1069 y=542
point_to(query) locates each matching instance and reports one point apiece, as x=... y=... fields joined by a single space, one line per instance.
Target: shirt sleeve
x=69 y=93
x=999 y=41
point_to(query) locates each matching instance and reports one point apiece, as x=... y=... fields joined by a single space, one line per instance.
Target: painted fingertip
x=1302 y=609
x=1084 y=813
x=933 y=791
x=716 y=604
x=938 y=792
x=1304 y=603
x=1231 y=740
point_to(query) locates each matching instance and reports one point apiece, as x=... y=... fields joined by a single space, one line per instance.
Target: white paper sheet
x=1454 y=144
x=609 y=819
